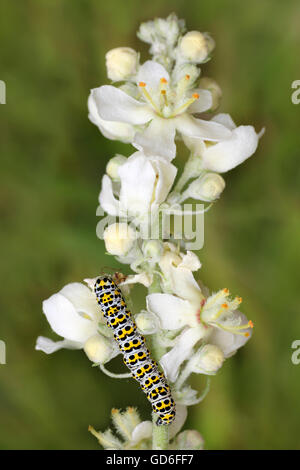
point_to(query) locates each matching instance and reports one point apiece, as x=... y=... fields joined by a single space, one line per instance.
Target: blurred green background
x=52 y=159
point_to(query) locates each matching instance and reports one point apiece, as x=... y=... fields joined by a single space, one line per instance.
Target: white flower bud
x=206 y=188
x=196 y=46
x=189 y=440
x=146 y=32
x=112 y=167
x=153 y=249
x=121 y=63
x=146 y=322
x=119 y=238
x=99 y=349
x=211 y=85
x=207 y=360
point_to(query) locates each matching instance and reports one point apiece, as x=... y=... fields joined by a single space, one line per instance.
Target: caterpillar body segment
x=132 y=344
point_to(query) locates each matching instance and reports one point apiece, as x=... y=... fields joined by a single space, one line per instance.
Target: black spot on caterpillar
x=132 y=344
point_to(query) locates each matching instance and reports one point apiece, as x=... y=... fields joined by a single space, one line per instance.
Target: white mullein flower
x=144 y=184
x=215 y=320
x=228 y=153
x=163 y=108
x=74 y=314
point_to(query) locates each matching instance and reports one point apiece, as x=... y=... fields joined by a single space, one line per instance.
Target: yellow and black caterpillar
x=136 y=356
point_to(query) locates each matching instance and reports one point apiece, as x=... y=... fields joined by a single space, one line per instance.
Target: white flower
x=163 y=108
x=195 y=46
x=227 y=154
x=145 y=183
x=121 y=63
x=74 y=314
x=119 y=238
x=208 y=187
x=215 y=320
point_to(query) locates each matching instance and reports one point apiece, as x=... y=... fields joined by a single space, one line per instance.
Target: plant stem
x=160 y=434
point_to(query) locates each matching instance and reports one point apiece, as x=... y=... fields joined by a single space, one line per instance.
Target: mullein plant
x=189 y=330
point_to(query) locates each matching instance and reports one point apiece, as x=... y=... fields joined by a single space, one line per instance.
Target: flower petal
x=172 y=311
x=179 y=279
x=172 y=360
x=107 y=199
x=229 y=342
x=113 y=130
x=142 y=431
x=165 y=174
x=157 y=138
x=137 y=183
x=151 y=73
x=206 y=130
x=225 y=119
x=229 y=153
x=203 y=103
x=65 y=321
x=48 y=346
x=114 y=104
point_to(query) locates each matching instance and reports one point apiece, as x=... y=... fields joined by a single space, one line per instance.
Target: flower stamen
x=147 y=95
x=186 y=104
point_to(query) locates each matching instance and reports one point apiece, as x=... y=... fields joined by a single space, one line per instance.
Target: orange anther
x=142 y=84
x=224 y=305
x=225 y=290
x=246 y=335
x=163 y=80
x=196 y=96
x=251 y=324
x=163 y=92
x=187 y=76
